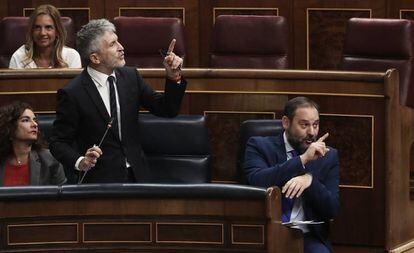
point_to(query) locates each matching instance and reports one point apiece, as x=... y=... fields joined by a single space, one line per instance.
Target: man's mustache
x=312 y=138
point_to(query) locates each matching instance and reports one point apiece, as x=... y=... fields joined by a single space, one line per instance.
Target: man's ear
x=285 y=122
x=94 y=58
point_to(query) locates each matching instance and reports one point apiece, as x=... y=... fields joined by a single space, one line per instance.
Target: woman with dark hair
x=45 y=45
x=24 y=160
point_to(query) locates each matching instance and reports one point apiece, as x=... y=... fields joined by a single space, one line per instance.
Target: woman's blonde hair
x=31 y=51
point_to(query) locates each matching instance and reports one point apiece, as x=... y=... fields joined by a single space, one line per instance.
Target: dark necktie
x=287 y=203
x=112 y=102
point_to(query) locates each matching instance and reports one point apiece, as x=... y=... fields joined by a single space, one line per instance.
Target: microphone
x=99 y=145
x=106 y=131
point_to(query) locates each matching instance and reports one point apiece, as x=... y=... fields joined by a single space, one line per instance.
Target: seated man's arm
x=323 y=193
x=264 y=168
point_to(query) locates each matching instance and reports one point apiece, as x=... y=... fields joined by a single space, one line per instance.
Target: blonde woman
x=45 y=46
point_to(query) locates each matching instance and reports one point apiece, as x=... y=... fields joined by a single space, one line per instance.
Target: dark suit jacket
x=266 y=165
x=81 y=120
x=43 y=169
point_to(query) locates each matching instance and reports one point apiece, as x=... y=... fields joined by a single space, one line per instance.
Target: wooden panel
x=122 y=223
x=175 y=12
x=244 y=11
x=407 y=14
x=80 y=10
x=198 y=233
x=319 y=27
x=48 y=100
x=25 y=234
x=224 y=139
x=359 y=150
x=117 y=232
x=326 y=34
x=355 y=109
x=412 y=171
x=247 y=234
x=400 y=9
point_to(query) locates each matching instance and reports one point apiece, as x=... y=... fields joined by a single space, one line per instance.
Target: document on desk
x=302 y=222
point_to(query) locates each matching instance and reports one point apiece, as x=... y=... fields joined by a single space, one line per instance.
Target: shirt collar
x=99 y=78
x=288 y=147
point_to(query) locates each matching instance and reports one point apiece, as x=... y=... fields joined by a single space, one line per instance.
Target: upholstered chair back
x=250 y=41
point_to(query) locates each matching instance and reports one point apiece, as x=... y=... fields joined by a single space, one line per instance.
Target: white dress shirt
x=298 y=213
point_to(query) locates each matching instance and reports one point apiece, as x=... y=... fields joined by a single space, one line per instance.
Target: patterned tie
x=112 y=98
x=287 y=203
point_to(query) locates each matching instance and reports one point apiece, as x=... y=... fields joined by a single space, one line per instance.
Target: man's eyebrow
x=308 y=121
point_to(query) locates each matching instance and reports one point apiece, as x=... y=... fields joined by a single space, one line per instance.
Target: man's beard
x=297 y=144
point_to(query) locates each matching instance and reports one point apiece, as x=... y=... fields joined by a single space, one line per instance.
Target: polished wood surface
x=372 y=132
x=135 y=223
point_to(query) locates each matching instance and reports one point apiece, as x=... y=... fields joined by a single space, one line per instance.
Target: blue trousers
x=312 y=244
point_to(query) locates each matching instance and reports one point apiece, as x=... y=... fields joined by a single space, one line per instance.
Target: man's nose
x=120 y=47
x=312 y=131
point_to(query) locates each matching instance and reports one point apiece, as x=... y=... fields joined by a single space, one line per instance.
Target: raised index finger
x=323 y=137
x=171 y=47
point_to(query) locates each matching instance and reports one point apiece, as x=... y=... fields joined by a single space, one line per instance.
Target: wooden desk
x=144 y=218
x=372 y=132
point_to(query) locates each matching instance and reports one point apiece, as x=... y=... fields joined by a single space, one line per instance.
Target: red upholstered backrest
x=143 y=37
x=14 y=35
x=381 y=44
x=250 y=41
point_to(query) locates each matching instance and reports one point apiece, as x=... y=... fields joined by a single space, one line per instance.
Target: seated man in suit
x=96 y=122
x=304 y=168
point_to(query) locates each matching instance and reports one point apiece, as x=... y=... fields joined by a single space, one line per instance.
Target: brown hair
x=9 y=115
x=298 y=102
x=31 y=52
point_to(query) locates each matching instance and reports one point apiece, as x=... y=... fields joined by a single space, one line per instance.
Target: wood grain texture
x=359 y=109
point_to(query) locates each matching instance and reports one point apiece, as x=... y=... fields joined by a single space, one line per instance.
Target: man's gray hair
x=88 y=37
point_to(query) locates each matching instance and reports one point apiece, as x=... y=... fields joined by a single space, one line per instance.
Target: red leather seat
x=250 y=41
x=381 y=44
x=143 y=37
x=14 y=35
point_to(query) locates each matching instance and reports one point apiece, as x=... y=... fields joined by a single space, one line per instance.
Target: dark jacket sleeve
x=165 y=104
x=52 y=172
x=323 y=193
x=263 y=167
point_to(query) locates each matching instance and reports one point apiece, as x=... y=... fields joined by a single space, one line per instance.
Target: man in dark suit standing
x=304 y=168
x=107 y=95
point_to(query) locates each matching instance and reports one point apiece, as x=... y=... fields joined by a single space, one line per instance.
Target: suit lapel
x=93 y=93
x=34 y=168
x=280 y=148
